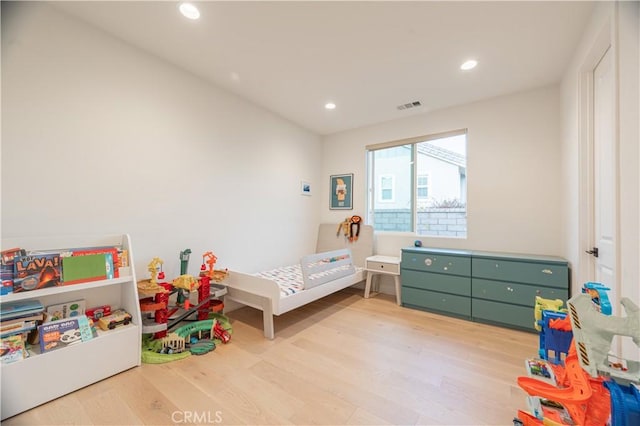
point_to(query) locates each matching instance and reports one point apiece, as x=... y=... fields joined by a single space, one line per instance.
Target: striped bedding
x=288 y=278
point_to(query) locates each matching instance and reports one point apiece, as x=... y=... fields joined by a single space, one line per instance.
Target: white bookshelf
x=43 y=377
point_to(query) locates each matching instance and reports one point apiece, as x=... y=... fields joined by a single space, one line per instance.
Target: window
x=422 y=187
x=419 y=185
x=386 y=188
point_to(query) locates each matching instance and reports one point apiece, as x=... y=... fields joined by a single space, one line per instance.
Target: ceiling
x=366 y=57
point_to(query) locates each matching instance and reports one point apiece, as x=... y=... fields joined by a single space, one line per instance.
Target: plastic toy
x=555 y=336
x=598 y=294
x=540 y=370
x=585 y=387
x=625 y=404
x=186 y=282
x=98 y=312
x=117 y=318
x=210 y=259
x=593 y=333
x=586 y=399
x=214 y=275
x=165 y=316
x=220 y=333
x=149 y=305
x=198 y=337
x=150 y=286
x=158 y=301
x=152 y=352
x=172 y=343
x=184 y=267
x=545 y=305
x=184 y=261
x=202 y=347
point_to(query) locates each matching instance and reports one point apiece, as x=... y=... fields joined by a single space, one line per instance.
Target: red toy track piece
x=560 y=324
x=221 y=333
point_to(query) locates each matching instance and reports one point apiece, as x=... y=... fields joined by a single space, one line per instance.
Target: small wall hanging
x=341 y=192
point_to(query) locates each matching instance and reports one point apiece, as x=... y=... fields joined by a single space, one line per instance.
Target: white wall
x=513 y=171
x=101 y=137
x=621 y=22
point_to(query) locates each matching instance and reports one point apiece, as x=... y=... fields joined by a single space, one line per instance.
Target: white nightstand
x=387 y=265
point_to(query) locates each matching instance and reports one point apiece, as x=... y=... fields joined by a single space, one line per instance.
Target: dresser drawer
x=431 y=300
x=440 y=263
x=438 y=282
x=502 y=313
x=521 y=294
x=547 y=274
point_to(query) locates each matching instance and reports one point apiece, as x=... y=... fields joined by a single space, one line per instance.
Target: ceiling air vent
x=414 y=104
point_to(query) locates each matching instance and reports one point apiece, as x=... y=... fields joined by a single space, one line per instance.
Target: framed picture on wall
x=341 y=192
x=305 y=188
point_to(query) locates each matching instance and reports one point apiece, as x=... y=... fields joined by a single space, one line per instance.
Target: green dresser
x=496 y=288
x=437 y=280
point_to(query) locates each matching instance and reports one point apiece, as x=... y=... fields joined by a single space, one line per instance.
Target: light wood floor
x=340 y=360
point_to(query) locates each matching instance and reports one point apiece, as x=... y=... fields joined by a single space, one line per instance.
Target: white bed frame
x=264 y=294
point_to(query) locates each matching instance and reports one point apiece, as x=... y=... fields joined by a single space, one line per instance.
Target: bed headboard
x=329 y=239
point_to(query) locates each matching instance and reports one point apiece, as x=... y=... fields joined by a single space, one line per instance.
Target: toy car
x=117 y=318
x=98 y=312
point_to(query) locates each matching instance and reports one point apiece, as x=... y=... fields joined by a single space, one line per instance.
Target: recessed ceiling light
x=189 y=11
x=470 y=64
x=330 y=105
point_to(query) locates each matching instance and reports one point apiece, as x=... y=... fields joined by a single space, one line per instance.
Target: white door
x=604 y=177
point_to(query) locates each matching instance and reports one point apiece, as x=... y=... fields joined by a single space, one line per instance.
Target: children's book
x=113 y=251
x=87 y=267
x=21 y=320
x=6 y=268
x=12 y=349
x=123 y=258
x=65 y=332
x=65 y=310
x=19 y=309
x=36 y=271
x=18 y=329
x=19 y=325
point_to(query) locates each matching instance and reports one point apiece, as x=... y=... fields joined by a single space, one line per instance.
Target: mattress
x=289 y=278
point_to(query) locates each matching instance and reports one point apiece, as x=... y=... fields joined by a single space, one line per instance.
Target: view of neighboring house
x=441 y=176
x=440 y=186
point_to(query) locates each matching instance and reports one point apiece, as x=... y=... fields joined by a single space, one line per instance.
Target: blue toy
x=552 y=339
x=598 y=293
x=625 y=404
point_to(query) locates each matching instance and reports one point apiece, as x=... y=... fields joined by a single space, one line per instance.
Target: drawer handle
x=547 y=271
x=428 y=261
x=509 y=289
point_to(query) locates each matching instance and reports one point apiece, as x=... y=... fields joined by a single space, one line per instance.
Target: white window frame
x=427 y=186
x=393 y=189
x=374 y=188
